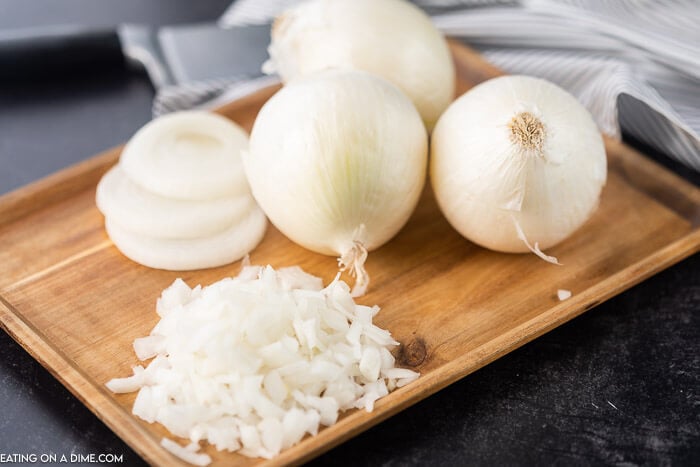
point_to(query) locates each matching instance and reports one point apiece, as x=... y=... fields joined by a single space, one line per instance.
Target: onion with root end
x=389 y=38
x=517 y=164
x=337 y=161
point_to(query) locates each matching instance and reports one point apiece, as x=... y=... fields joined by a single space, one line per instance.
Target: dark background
x=619 y=385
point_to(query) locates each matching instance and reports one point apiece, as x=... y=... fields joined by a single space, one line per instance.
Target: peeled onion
x=517 y=164
x=337 y=161
x=390 y=38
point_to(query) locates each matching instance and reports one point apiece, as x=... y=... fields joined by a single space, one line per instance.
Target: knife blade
x=170 y=55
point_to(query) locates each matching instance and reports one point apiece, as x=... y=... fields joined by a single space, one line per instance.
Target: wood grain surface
x=76 y=304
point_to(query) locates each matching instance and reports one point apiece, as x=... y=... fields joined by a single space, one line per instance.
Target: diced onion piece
x=145 y=213
x=149 y=347
x=129 y=384
x=400 y=373
x=370 y=363
x=179 y=293
x=563 y=294
x=403 y=376
x=272 y=434
x=144 y=406
x=185 y=254
x=185 y=453
x=191 y=155
x=295 y=278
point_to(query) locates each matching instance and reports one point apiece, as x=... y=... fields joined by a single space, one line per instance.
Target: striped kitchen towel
x=634 y=64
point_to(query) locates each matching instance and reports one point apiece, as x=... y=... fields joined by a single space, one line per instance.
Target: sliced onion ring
x=191 y=155
x=186 y=254
x=144 y=213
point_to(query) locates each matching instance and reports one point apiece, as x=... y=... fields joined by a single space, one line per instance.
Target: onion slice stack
x=178 y=199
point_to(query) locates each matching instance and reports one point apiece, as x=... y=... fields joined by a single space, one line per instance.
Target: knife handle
x=44 y=53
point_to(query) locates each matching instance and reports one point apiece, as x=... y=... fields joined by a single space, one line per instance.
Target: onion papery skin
x=486 y=182
x=338 y=158
x=389 y=38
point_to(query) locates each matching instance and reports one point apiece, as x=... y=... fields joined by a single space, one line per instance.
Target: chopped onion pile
x=254 y=363
x=178 y=199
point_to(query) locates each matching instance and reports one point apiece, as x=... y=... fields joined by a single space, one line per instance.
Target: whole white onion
x=515 y=161
x=390 y=38
x=337 y=161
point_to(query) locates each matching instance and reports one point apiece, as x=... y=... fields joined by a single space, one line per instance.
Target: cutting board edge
x=126 y=426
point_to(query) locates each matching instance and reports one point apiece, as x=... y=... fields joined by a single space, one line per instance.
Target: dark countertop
x=618 y=385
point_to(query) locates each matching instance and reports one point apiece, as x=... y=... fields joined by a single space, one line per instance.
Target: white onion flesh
x=178 y=199
x=389 y=38
x=148 y=214
x=516 y=162
x=563 y=294
x=337 y=161
x=179 y=254
x=187 y=454
x=190 y=155
x=254 y=363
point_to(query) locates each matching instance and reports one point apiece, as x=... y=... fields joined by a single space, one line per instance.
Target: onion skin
x=389 y=38
x=338 y=158
x=488 y=175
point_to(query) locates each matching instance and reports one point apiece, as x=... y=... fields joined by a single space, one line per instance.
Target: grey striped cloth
x=635 y=64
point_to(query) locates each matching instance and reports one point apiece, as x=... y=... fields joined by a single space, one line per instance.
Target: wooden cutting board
x=76 y=304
